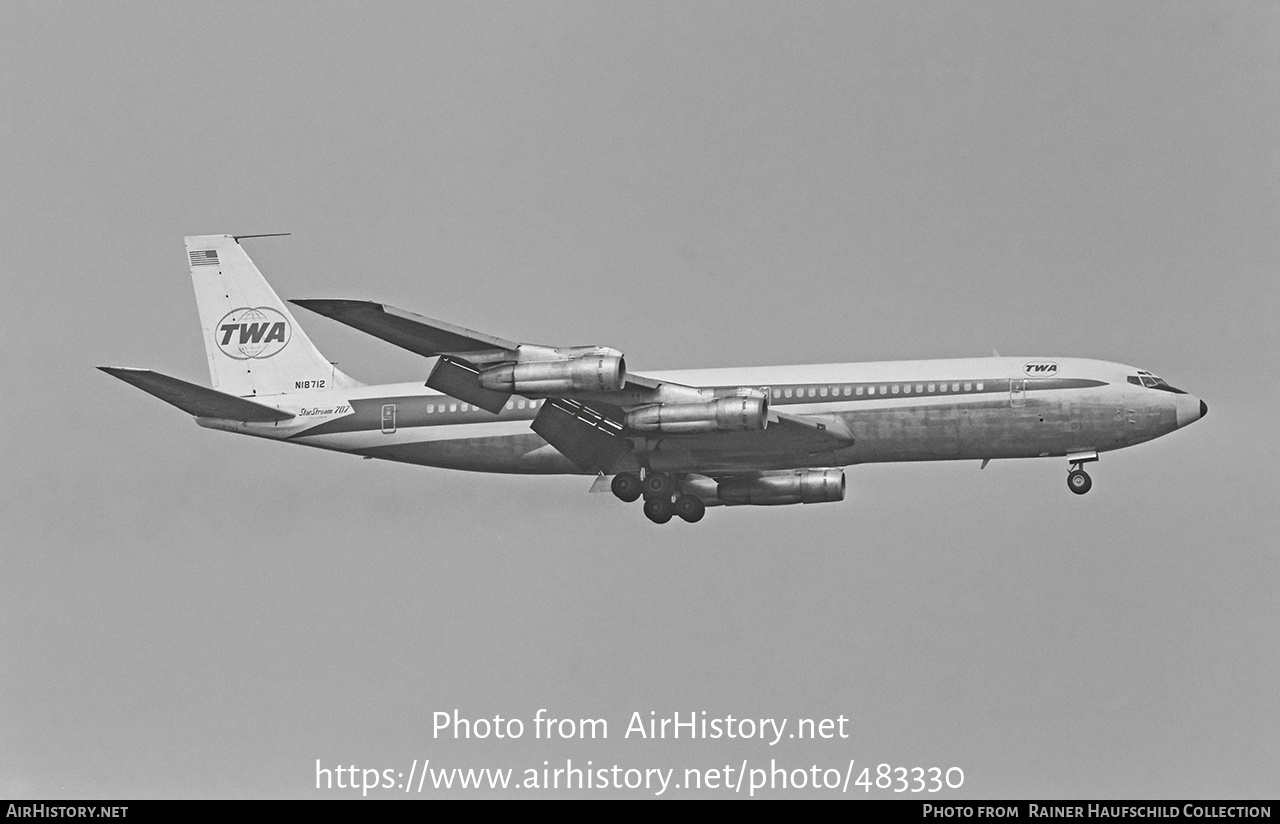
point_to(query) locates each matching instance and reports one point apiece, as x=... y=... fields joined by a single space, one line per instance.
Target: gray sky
x=187 y=613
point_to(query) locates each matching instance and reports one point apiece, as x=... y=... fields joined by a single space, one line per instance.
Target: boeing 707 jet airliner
x=682 y=441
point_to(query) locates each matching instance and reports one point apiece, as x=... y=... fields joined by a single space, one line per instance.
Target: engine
x=735 y=414
x=804 y=486
x=603 y=372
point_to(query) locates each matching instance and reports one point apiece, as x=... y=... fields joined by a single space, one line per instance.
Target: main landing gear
x=662 y=497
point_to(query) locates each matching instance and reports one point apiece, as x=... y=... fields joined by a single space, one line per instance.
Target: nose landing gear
x=1078 y=481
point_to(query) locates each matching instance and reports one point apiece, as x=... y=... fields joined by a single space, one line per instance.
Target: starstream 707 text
x=749 y=777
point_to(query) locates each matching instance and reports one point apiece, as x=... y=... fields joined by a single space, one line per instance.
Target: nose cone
x=1190 y=409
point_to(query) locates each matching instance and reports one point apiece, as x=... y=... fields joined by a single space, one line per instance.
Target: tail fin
x=255 y=346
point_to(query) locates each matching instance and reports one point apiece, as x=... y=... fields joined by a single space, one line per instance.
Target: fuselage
x=928 y=410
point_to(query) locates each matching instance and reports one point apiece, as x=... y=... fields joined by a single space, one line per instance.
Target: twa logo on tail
x=1041 y=369
x=258 y=332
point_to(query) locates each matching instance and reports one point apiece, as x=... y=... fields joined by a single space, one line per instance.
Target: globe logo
x=257 y=332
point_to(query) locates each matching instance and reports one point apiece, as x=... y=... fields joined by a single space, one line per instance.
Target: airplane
x=681 y=440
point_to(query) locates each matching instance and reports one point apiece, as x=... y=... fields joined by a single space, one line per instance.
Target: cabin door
x=1017 y=393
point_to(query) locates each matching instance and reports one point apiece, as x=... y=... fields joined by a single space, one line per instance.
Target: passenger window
x=777 y=393
x=520 y=403
x=906 y=388
x=968 y=387
x=871 y=390
x=884 y=390
x=933 y=387
x=787 y=392
x=823 y=392
x=847 y=390
x=431 y=407
x=511 y=404
x=955 y=387
x=453 y=407
x=895 y=389
x=858 y=390
x=979 y=386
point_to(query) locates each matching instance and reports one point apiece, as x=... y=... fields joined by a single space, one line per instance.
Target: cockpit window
x=1150 y=381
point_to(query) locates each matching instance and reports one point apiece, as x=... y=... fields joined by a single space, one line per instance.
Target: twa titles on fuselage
x=682 y=440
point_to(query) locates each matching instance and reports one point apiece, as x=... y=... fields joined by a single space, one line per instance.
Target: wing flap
x=196 y=400
x=588 y=438
x=458 y=380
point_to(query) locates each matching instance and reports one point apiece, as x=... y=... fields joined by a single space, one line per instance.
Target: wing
x=486 y=370
x=598 y=415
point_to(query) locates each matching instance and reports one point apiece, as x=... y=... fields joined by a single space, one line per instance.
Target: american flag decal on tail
x=206 y=258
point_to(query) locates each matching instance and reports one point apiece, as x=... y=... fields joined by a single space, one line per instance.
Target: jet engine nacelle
x=735 y=414
x=804 y=486
x=590 y=373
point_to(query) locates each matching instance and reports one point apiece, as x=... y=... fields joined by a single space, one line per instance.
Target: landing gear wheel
x=690 y=508
x=658 y=510
x=1078 y=481
x=657 y=485
x=626 y=486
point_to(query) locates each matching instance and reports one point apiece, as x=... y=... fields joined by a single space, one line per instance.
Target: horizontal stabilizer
x=423 y=336
x=196 y=400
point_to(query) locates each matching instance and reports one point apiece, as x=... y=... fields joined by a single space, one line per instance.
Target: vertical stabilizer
x=255 y=346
